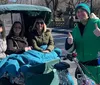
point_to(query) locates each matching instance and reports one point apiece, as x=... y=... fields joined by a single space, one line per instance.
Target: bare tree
x=48 y=2
x=53 y=5
x=96 y=7
x=3 y=1
x=27 y=2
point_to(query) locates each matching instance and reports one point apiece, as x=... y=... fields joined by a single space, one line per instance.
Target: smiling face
x=17 y=28
x=82 y=14
x=39 y=25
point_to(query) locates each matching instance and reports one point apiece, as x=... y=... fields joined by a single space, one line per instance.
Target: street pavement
x=59 y=36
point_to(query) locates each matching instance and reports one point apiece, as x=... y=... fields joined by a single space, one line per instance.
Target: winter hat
x=83 y=6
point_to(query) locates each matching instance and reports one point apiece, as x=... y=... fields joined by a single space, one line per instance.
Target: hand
x=27 y=48
x=45 y=51
x=70 y=38
x=97 y=30
x=45 y=25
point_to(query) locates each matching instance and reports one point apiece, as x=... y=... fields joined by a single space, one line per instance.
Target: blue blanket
x=13 y=64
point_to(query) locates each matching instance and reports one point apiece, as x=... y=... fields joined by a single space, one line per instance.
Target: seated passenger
x=16 y=42
x=41 y=36
x=3 y=45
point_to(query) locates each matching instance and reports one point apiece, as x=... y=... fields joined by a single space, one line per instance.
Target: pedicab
x=40 y=74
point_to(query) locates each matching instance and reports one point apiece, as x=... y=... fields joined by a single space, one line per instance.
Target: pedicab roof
x=31 y=10
x=22 y=7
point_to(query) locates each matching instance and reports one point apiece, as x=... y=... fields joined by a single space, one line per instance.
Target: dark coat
x=16 y=45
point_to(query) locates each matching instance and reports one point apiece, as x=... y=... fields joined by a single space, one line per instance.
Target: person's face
x=39 y=25
x=17 y=28
x=81 y=14
x=1 y=29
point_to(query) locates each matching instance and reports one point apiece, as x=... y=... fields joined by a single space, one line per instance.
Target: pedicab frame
x=28 y=15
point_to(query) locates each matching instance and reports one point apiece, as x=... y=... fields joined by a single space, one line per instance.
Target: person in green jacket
x=85 y=38
x=41 y=36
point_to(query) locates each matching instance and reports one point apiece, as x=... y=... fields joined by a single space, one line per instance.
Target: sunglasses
x=39 y=22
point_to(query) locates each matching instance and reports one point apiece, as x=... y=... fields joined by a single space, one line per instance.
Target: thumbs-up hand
x=70 y=38
x=69 y=35
x=97 y=30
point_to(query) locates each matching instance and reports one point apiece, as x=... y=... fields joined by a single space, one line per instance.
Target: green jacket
x=88 y=45
x=44 y=39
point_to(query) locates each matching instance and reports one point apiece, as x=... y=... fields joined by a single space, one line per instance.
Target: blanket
x=14 y=63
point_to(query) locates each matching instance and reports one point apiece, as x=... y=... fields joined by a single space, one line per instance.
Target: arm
x=3 y=46
x=51 y=43
x=96 y=31
x=35 y=46
x=70 y=42
x=11 y=49
x=69 y=47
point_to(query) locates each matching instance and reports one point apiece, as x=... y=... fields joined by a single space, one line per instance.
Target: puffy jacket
x=44 y=39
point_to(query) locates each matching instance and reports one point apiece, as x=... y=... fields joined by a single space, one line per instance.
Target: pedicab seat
x=42 y=74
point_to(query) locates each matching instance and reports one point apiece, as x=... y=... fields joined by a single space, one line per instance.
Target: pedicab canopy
x=29 y=10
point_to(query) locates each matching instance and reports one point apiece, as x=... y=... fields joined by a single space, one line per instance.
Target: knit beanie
x=83 y=6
